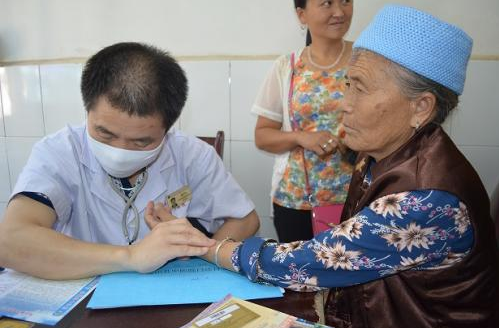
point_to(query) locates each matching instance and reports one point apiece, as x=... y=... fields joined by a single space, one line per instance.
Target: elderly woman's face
x=377 y=116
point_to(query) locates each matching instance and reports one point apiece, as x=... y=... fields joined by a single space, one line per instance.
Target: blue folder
x=178 y=282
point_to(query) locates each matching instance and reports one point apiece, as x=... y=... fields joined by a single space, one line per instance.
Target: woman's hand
x=322 y=143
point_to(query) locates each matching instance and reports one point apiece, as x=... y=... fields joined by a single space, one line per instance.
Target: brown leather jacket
x=465 y=294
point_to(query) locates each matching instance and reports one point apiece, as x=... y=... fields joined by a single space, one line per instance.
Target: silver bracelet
x=223 y=241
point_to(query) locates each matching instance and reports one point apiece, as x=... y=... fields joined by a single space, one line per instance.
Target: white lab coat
x=63 y=168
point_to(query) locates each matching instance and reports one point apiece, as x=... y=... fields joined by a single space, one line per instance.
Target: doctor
x=77 y=209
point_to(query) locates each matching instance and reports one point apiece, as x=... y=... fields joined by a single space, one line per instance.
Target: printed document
x=37 y=300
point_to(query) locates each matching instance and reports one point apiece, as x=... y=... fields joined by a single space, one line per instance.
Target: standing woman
x=298 y=119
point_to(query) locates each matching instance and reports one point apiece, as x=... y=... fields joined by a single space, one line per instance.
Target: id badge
x=179 y=197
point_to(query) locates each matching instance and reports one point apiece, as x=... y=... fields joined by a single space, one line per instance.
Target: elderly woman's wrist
x=223 y=254
x=220 y=244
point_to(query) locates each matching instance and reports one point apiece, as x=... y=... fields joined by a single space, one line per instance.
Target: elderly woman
x=416 y=246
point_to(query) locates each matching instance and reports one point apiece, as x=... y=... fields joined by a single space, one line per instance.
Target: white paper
x=37 y=300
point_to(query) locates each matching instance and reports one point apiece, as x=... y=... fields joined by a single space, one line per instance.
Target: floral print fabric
x=414 y=230
x=315 y=106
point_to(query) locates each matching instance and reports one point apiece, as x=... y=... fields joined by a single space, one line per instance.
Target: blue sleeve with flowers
x=417 y=230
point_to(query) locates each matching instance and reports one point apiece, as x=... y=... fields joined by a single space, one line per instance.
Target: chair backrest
x=494 y=210
x=217 y=142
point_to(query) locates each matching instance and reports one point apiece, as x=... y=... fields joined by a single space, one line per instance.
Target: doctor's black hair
x=302 y=4
x=135 y=78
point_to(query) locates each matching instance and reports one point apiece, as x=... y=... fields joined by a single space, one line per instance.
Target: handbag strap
x=294 y=125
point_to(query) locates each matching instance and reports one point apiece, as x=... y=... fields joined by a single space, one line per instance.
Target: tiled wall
x=38 y=100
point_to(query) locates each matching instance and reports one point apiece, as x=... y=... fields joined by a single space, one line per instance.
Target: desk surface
x=174 y=316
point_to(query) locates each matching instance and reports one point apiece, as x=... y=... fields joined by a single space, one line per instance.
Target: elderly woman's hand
x=321 y=142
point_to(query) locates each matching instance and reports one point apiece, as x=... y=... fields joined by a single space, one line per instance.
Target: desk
x=174 y=316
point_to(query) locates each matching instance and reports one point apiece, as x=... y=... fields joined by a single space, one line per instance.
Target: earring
x=303 y=27
x=417 y=125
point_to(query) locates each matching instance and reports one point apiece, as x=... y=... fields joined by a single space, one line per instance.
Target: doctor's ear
x=423 y=109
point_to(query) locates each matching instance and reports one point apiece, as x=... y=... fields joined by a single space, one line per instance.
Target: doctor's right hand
x=169 y=238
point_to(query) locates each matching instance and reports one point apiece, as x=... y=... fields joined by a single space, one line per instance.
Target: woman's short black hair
x=300 y=3
x=135 y=78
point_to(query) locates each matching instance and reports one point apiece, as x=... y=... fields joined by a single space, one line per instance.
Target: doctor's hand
x=169 y=238
x=157 y=213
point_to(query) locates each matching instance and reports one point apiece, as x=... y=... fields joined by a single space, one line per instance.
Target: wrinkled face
x=327 y=19
x=376 y=115
x=118 y=129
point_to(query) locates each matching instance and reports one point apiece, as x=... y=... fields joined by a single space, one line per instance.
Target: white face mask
x=122 y=163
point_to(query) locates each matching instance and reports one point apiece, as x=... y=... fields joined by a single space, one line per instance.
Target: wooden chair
x=494 y=210
x=217 y=142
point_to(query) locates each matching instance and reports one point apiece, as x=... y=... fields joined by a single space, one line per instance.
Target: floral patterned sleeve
x=417 y=230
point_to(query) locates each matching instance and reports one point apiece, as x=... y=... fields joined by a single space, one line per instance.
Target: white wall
x=54 y=29
x=38 y=98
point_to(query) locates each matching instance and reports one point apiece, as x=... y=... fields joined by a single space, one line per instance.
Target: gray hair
x=413 y=85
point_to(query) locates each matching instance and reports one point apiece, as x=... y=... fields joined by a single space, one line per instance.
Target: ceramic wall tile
x=5 y=187
x=267 y=229
x=18 y=151
x=3 y=205
x=227 y=155
x=252 y=168
x=2 y=126
x=485 y=160
x=21 y=100
x=246 y=78
x=207 y=107
x=61 y=96
x=475 y=120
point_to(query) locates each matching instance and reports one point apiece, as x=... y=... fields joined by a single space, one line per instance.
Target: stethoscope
x=129 y=204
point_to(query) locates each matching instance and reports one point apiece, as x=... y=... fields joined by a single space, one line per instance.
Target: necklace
x=326 y=67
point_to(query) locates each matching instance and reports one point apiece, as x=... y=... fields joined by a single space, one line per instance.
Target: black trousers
x=291 y=224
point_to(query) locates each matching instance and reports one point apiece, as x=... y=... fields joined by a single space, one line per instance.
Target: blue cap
x=421 y=43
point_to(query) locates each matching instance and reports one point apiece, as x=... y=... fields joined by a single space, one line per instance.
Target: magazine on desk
x=234 y=312
x=38 y=300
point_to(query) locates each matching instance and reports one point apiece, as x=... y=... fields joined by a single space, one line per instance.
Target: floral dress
x=315 y=106
x=413 y=230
